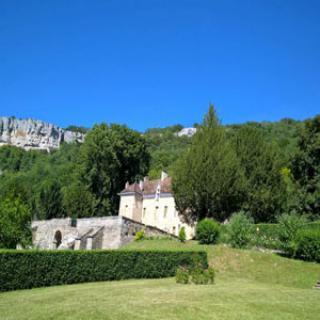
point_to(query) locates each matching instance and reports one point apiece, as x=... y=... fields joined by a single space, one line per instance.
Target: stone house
x=151 y=202
x=147 y=205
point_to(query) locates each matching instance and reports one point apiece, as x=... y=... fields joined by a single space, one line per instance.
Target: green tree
x=265 y=190
x=15 y=218
x=110 y=156
x=78 y=201
x=305 y=167
x=50 y=201
x=207 y=180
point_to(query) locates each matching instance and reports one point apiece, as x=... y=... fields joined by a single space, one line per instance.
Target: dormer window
x=158 y=193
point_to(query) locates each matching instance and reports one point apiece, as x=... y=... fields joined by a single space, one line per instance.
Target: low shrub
x=288 y=228
x=140 y=235
x=182 y=275
x=203 y=276
x=197 y=275
x=207 y=231
x=239 y=230
x=307 y=245
x=211 y=274
x=182 y=235
x=30 y=268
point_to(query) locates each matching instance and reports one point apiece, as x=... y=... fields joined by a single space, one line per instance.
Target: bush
x=182 y=275
x=308 y=245
x=207 y=231
x=140 y=235
x=30 y=268
x=239 y=230
x=289 y=225
x=182 y=234
x=211 y=274
x=198 y=275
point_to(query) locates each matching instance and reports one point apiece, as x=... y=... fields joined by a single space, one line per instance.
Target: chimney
x=141 y=184
x=127 y=185
x=163 y=175
x=145 y=179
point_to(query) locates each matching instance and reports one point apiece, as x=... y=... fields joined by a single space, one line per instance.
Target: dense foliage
x=265 y=169
x=307 y=246
x=208 y=181
x=15 y=220
x=239 y=230
x=260 y=162
x=111 y=156
x=306 y=168
x=63 y=267
x=227 y=169
x=207 y=231
x=289 y=226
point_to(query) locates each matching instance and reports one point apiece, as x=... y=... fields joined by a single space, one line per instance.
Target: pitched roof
x=150 y=186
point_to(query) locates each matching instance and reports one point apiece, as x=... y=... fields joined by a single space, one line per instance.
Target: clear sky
x=154 y=63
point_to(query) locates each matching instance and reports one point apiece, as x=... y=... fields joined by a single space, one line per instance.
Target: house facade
x=151 y=202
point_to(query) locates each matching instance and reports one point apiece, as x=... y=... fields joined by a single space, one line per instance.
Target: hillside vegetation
x=264 y=169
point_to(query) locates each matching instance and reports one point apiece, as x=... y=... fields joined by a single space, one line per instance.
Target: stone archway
x=57 y=239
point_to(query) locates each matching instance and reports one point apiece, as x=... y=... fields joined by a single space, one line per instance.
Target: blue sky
x=156 y=63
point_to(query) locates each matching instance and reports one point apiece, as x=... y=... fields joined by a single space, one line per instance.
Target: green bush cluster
x=207 y=231
x=197 y=275
x=289 y=226
x=140 y=235
x=182 y=275
x=307 y=245
x=29 y=269
x=182 y=235
x=239 y=230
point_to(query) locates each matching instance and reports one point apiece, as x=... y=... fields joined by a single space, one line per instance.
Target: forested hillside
x=85 y=179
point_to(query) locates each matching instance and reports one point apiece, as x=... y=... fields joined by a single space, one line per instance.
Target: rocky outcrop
x=189 y=132
x=35 y=134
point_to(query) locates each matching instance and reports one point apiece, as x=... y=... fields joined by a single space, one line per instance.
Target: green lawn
x=249 y=285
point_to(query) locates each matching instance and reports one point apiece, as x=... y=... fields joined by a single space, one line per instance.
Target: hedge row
x=29 y=268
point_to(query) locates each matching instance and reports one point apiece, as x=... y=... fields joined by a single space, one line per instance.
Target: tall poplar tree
x=208 y=180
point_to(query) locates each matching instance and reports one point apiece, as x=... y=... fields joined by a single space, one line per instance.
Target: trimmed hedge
x=27 y=269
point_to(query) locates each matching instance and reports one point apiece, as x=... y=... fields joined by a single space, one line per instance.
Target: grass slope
x=249 y=285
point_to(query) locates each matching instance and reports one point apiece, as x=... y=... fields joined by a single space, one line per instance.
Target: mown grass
x=249 y=285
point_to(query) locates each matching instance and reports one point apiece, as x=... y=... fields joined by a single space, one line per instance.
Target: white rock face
x=34 y=134
x=189 y=132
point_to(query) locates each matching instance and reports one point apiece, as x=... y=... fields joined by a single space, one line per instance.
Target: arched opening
x=57 y=239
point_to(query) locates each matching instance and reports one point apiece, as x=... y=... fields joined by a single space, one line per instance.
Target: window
x=165 y=211
x=156 y=212
x=57 y=239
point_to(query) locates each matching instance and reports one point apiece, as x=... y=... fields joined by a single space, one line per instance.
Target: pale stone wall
x=89 y=233
x=131 y=206
x=162 y=213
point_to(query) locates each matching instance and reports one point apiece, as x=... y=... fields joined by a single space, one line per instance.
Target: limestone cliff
x=35 y=134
